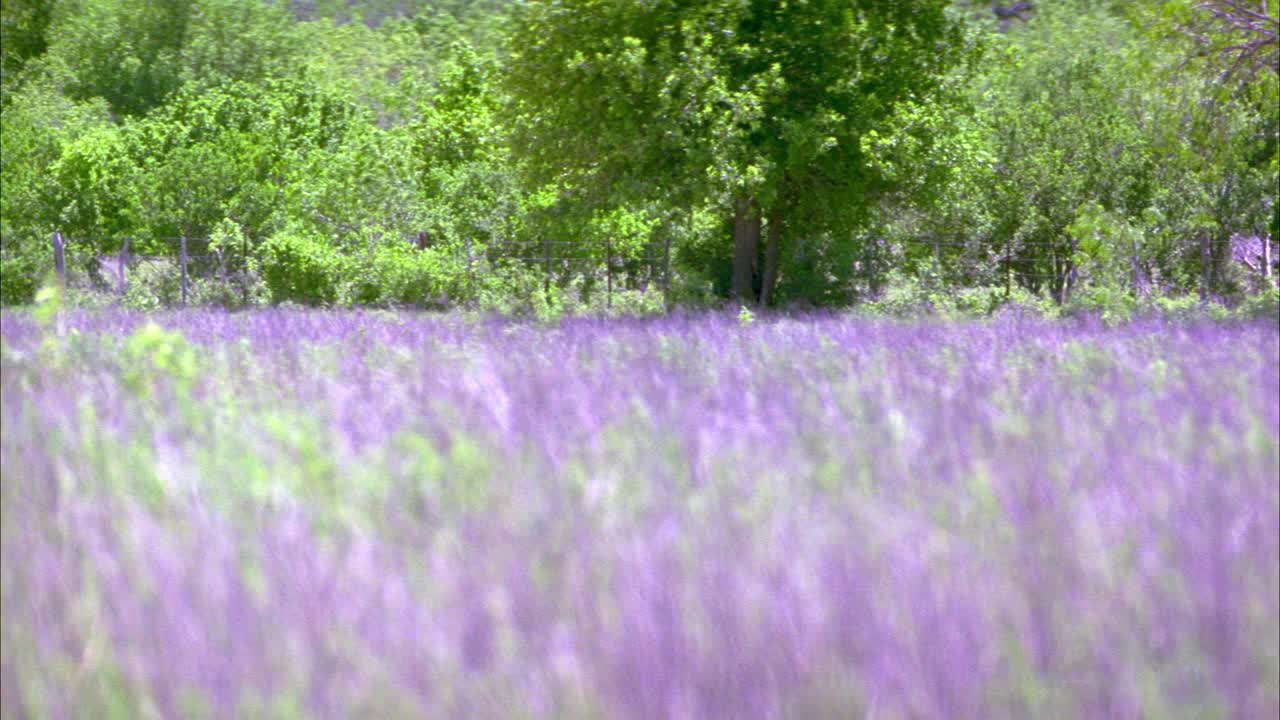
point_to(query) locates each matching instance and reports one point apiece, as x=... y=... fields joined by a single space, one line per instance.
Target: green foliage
x=24 y=26
x=586 y=297
x=904 y=296
x=1263 y=305
x=518 y=290
x=234 y=40
x=1108 y=303
x=980 y=301
x=154 y=284
x=152 y=353
x=1177 y=309
x=422 y=154
x=224 y=152
x=136 y=54
x=1114 y=161
x=18 y=278
x=302 y=268
x=1022 y=300
x=405 y=276
x=48 y=302
x=97 y=189
x=909 y=297
x=725 y=103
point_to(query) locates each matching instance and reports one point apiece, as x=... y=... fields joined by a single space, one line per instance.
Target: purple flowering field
x=307 y=514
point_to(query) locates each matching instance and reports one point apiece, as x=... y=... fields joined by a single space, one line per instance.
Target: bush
x=587 y=296
x=1261 y=306
x=421 y=278
x=1174 y=309
x=297 y=267
x=154 y=284
x=403 y=276
x=231 y=294
x=1023 y=301
x=1111 y=304
x=518 y=290
x=978 y=301
x=905 y=297
x=19 y=277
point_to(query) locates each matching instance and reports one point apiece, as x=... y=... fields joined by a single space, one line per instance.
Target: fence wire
x=81 y=263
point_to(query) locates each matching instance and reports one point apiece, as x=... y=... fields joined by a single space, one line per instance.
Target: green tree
x=758 y=108
x=1116 y=165
x=24 y=26
x=230 y=152
x=136 y=54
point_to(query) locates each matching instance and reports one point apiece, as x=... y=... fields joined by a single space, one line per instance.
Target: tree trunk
x=772 y=250
x=746 y=243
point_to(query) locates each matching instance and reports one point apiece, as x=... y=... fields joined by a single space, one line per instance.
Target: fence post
x=1073 y=275
x=244 y=272
x=608 y=271
x=872 y=249
x=1008 y=269
x=124 y=263
x=471 y=274
x=546 y=281
x=1204 y=267
x=184 y=270
x=666 y=269
x=1138 y=288
x=59 y=259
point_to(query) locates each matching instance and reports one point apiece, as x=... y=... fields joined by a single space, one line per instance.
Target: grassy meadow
x=324 y=514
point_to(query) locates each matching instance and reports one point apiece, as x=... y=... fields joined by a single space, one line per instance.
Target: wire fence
x=86 y=262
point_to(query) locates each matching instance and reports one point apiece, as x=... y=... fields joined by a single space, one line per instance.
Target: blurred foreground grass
x=326 y=514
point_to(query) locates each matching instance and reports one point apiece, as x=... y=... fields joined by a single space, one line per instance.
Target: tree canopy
x=760 y=108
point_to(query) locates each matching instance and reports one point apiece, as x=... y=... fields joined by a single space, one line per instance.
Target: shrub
x=977 y=301
x=403 y=276
x=903 y=296
x=1111 y=304
x=587 y=296
x=1023 y=301
x=300 y=268
x=231 y=294
x=18 y=279
x=1185 y=307
x=1261 y=306
x=518 y=290
x=431 y=277
x=154 y=284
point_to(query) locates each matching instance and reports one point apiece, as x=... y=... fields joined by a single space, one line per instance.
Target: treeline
x=523 y=156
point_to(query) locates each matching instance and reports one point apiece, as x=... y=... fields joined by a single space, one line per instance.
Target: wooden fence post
x=546 y=282
x=1073 y=275
x=1139 y=287
x=124 y=263
x=1204 y=267
x=184 y=270
x=608 y=271
x=666 y=269
x=244 y=273
x=1008 y=269
x=59 y=259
